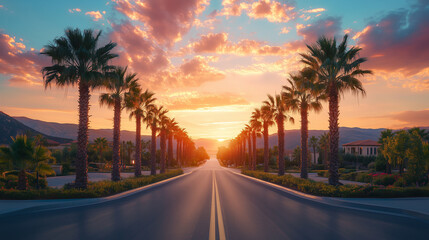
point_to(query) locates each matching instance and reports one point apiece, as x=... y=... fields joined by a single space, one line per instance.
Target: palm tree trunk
x=314 y=154
x=162 y=160
x=304 y=139
x=266 y=153
x=22 y=180
x=81 y=180
x=249 y=145
x=254 y=151
x=177 y=152
x=153 y=151
x=170 y=150
x=388 y=168
x=138 y=156
x=243 y=153
x=116 y=174
x=281 y=143
x=334 y=135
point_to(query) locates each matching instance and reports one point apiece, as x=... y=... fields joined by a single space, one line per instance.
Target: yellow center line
x=219 y=213
x=212 y=232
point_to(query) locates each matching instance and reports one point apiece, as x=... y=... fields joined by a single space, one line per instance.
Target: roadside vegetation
x=79 y=60
x=345 y=191
x=94 y=190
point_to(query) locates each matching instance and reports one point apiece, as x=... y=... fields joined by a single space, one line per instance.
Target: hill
x=9 y=126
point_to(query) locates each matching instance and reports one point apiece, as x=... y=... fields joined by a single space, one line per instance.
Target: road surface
x=210 y=203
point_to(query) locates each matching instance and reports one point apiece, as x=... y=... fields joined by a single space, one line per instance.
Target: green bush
x=9 y=180
x=96 y=189
x=349 y=191
x=384 y=180
x=363 y=177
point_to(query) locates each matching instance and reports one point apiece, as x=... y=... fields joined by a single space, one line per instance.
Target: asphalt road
x=210 y=203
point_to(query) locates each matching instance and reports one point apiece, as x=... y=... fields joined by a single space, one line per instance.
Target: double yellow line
x=215 y=208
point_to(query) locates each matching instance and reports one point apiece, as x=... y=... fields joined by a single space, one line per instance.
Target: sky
x=212 y=62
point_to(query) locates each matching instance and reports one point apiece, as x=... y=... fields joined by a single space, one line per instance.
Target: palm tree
x=337 y=69
x=77 y=61
x=100 y=144
x=303 y=95
x=255 y=122
x=118 y=83
x=313 y=144
x=324 y=147
x=248 y=131
x=139 y=104
x=152 y=120
x=18 y=155
x=267 y=121
x=172 y=127
x=277 y=105
x=40 y=157
x=163 y=127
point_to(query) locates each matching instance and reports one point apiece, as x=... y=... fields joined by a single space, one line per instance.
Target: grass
x=345 y=191
x=94 y=190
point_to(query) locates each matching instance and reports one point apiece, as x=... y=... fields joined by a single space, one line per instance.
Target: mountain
x=11 y=127
x=292 y=137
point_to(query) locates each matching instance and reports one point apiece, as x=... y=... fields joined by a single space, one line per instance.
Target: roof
x=363 y=143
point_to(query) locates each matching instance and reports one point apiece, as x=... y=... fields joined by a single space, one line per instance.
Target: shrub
x=363 y=177
x=350 y=191
x=384 y=179
x=96 y=189
x=9 y=180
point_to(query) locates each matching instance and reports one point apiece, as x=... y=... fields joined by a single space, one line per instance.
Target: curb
x=79 y=202
x=340 y=203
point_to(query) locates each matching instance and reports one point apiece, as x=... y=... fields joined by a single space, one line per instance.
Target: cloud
x=22 y=66
x=315 y=10
x=74 y=10
x=195 y=100
x=398 y=41
x=273 y=11
x=96 y=15
x=218 y=43
x=412 y=118
x=166 y=20
x=330 y=27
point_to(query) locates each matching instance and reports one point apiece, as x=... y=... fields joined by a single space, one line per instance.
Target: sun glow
x=221 y=139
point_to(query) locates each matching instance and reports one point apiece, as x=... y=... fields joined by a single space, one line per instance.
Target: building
x=362 y=148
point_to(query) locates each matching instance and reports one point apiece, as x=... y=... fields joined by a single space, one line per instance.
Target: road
x=210 y=203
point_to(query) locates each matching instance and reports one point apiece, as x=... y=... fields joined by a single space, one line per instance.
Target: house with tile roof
x=362 y=148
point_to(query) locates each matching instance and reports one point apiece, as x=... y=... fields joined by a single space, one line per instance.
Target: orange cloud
x=218 y=43
x=96 y=15
x=166 y=20
x=74 y=10
x=22 y=66
x=196 y=100
x=315 y=10
x=273 y=11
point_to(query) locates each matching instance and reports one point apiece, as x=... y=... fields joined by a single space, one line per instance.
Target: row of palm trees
x=330 y=70
x=77 y=60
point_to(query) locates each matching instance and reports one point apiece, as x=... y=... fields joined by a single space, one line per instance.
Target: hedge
x=94 y=190
x=346 y=191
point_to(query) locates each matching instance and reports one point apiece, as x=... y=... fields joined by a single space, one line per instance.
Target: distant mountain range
x=69 y=131
x=9 y=126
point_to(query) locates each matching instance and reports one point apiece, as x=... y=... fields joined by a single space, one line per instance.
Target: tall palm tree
x=324 y=147
x=267 y=121
x=255 y=122
x=277 y=105
x=100 y=145
x=338 y=69
x=139 y=103
x=303 y=94
x=313 y=144
x=118 y=83
x=248 y=131
x=77 y=61
x=171 y=128
x=163 y=127
x=152 y=120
